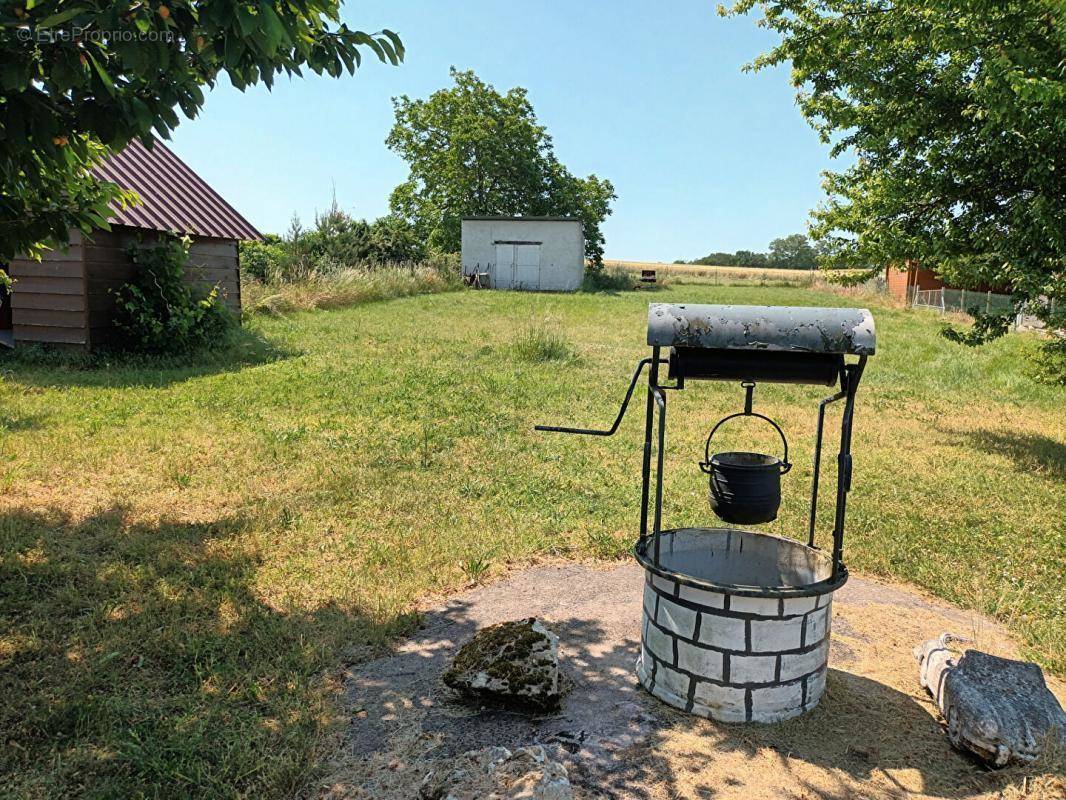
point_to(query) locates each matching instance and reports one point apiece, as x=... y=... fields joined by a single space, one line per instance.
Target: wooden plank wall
x=48 y=301
x=216 y=262
x=107 y=267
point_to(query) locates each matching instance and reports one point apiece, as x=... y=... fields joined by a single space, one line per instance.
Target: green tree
x=792 y=252
x=748 y=258
x=472 y=150
x=80 y=76
x=338 y=239
x=956 y=111
x=393 y=238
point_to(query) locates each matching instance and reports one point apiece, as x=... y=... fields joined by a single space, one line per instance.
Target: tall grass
x=346 y=287
x=614 y=278
x=540 y=344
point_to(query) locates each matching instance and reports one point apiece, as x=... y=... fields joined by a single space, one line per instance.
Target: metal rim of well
x=826 y=586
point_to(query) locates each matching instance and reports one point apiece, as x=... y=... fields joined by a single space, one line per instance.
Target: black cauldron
x=745 y=488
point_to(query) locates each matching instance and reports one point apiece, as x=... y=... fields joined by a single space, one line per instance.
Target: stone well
x=736 y=623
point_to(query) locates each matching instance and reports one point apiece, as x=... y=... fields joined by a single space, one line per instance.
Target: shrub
x=1049 y=366
x=158 y=312
x=614 y=279
x=395 y=239
x=263 y=260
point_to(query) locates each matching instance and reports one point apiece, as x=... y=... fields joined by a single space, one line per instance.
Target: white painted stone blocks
x=731 y=657
x=818 y=624
x=702 y=597
x=675 y=682
x=775 y=703
x=763 y=606
x=800 y=605
x=649 y=601
x=659 y=643
x=752 y=669
x=773 y=636
x=678 y=620
x=700 y=661
x=726 y=633
x=664 y=586
x=795 y=665
x=724 y=703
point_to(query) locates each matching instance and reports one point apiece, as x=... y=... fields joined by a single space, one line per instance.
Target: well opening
x=740 y=562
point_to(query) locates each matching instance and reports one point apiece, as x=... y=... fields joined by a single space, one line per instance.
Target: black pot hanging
x=745 y=488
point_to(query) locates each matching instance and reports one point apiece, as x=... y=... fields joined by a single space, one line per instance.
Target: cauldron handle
x=705 y=465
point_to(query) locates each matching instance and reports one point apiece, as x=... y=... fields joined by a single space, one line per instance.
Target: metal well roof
x=796 y=329
x=173 y=197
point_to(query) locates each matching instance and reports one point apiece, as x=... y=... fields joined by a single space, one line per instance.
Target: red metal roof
x=173 y=197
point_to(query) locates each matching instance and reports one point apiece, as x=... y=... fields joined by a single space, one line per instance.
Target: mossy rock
x=513 y=663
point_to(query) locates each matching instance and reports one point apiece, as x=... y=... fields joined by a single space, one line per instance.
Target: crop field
x=191 y=550
x=699 y=273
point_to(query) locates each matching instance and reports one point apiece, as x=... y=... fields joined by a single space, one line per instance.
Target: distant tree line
x=788 y=252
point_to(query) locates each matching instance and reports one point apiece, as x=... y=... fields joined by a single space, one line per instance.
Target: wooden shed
x=903 y=281
x=67 y=297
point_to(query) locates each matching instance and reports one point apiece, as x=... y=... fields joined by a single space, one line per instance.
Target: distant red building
x=903 y=281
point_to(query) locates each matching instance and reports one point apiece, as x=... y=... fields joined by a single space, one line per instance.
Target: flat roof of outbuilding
x=503 y=218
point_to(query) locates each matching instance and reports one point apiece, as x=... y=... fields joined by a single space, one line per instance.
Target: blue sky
x=650 y=95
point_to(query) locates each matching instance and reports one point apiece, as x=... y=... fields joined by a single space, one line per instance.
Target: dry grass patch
x=349 y=287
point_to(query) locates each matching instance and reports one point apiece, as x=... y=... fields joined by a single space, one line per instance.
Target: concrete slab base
x=875 y=734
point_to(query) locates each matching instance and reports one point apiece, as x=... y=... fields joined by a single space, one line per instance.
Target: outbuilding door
x=517 y=265
x=503 y=270
x=527 y=266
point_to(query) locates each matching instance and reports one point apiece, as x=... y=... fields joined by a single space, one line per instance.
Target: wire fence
x=960 y=300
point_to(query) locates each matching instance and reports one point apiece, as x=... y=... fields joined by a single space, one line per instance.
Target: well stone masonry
x=730 y=657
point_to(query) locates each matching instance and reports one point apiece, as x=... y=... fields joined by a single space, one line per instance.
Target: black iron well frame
x=848 y=377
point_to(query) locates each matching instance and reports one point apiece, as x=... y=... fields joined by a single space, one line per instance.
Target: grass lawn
x=189 y=551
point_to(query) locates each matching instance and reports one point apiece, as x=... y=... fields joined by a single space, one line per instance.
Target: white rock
x=516 y=663
x=999 y=709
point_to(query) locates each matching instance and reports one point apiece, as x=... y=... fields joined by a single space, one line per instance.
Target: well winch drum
x=745 y=488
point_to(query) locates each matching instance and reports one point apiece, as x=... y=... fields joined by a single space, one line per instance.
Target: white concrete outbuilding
x=532 y=253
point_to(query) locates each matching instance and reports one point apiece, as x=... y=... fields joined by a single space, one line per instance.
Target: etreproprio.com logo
x=78 y=34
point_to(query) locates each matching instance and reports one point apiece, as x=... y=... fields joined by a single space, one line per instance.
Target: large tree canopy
x=80 y=76
x=956 y=110
x=793 y=252
x=473 y=151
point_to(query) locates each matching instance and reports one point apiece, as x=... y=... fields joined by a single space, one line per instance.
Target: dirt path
x=875 y=733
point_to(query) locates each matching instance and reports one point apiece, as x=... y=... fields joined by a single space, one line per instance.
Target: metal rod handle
x=854 y=372
x=617 y=420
